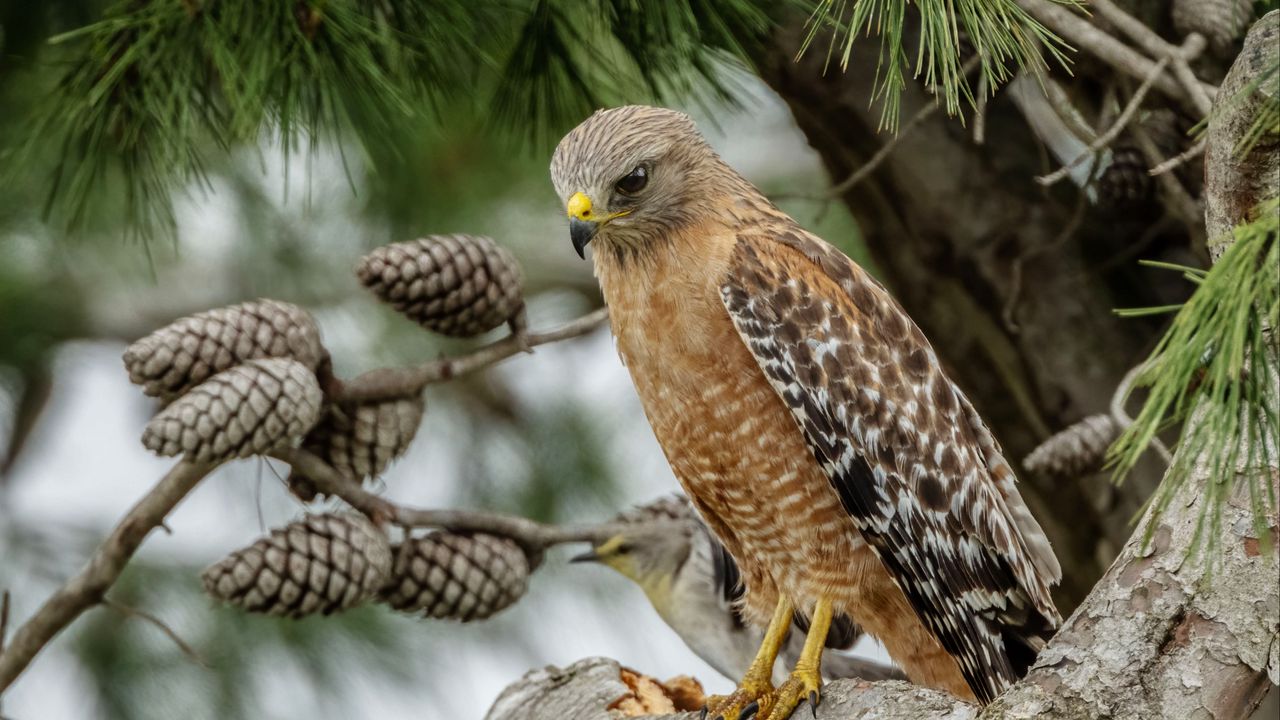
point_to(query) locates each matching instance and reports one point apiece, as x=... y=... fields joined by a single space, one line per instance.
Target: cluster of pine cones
x=249 y=380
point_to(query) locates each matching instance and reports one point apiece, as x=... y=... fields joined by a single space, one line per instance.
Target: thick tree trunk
x=1018 y=308
x=1160 y=636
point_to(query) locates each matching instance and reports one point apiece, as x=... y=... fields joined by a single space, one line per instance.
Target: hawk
x=807 y=418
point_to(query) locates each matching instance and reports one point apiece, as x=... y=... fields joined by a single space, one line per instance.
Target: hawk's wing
x=912 y=462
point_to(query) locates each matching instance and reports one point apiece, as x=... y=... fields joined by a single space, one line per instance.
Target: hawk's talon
x=786 y=698
x=741 y=704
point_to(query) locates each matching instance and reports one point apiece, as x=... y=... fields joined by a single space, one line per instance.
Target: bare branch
x=1015 y=286
x=1121 y=416
x=88 y=587
x=529 y=533
x=1159 y=47
x=1061 y=103
x=1181 y=202
x=386 y=383
x=4 y=618
x=1106 y=48
x=1180 y=159
x=170 y=632
x=980 y=112
x=864 y=171
x=1112 y=132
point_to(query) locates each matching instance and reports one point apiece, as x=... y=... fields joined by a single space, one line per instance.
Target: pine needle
x=1212 y=373
x=1003 y=35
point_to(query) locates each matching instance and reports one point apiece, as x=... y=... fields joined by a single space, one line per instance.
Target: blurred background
x=162 y=157
x=557 y=436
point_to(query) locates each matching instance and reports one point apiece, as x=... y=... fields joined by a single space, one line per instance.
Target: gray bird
x=693 y=583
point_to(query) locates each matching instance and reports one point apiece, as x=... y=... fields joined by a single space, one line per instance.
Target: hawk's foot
x=744 y=702
x=754 y=696
x=803 y=684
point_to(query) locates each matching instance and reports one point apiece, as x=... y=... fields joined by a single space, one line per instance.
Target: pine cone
x=1079 y=450
x=456 y=576
x=320 y=564
x=188 y=351
x=250 y=409
x=1125 y=183
x=360 y=440
x=1221 y=22
x=456 y=285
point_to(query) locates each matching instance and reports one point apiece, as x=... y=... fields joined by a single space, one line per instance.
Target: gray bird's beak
x=581 y=232
x=590 y=555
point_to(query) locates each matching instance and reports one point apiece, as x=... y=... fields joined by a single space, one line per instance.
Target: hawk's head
x=630 y=174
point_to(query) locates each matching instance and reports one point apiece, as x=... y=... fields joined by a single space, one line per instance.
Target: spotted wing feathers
x=913 y=465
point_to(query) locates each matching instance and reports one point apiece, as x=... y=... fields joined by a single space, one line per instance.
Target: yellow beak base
x=579 y=207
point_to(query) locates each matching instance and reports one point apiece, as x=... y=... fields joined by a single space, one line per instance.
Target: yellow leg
x=806 y=677
x=756 y=687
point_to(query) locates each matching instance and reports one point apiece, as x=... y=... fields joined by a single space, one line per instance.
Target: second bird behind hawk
x=695 y=586
x=807 y=418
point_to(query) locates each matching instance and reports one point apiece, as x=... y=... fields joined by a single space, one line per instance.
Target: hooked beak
x=588 y=556
x=584 y=223
x=581 y=232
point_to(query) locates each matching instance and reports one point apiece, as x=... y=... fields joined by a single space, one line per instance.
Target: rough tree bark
x=1159 y=636
x=975 y=250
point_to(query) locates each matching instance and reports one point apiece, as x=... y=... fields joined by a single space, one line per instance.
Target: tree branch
x=533 y=535
x=1179 y=160
x=588 y=689
x=1106 y=48
x=88 y=587
x=1112 y=132
x=865 y=170
x=387 y=383
x=1159 y=47
x=169 y=632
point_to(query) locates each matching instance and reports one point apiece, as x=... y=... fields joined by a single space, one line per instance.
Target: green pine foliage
x=152 y=90
x=1003 y=35
x=1214 y=373
x=155 y=95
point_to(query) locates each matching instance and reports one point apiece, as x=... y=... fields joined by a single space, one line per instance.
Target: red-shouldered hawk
x=807 y=418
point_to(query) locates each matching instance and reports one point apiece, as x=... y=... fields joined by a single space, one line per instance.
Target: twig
x=1011 y=305
x=1106 y=48
x=1180 y=159
x=4 y=618
x=88 y=587
x=864 y=170
x=1064 y=108
x=1122 y=418
x=1186 y=208
x=533 y=535
x=1112 y=132
x=883 y=153
x=1192 y=46
x=173 y=635
x=980 y=113
x=387 y=383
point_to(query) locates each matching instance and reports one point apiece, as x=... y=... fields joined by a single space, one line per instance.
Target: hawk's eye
x=634 y=181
